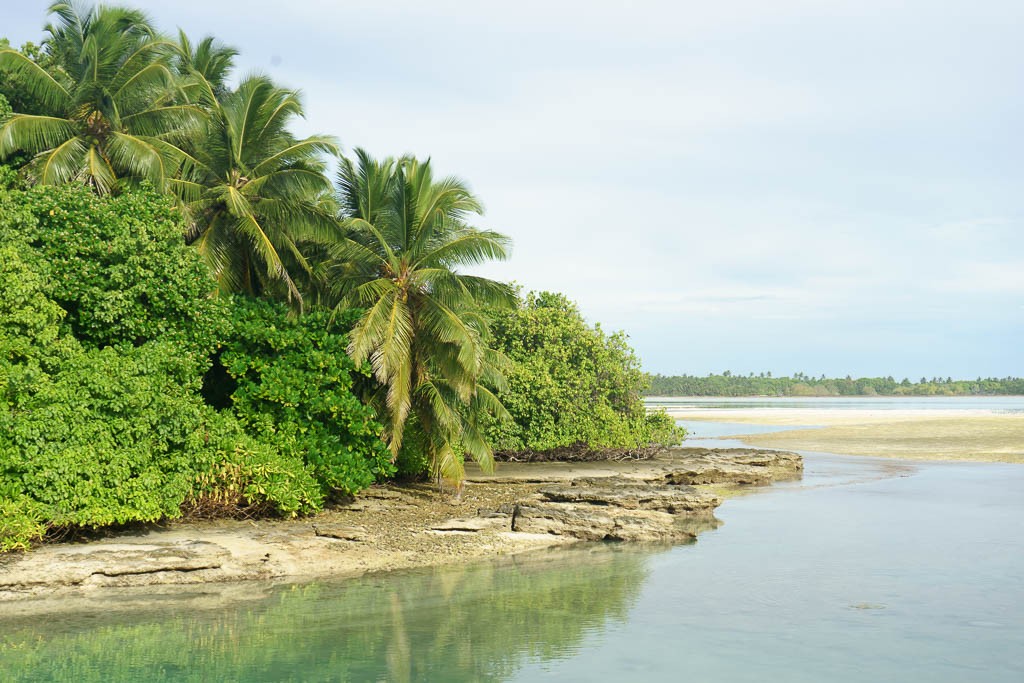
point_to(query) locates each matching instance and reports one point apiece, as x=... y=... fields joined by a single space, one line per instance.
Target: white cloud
x=843 y=174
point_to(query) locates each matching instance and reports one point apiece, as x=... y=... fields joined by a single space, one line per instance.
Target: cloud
x=837 y=182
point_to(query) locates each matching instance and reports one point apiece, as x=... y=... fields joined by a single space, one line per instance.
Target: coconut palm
x=253 y=193
x=106 y=108
x=206 y=62
x=422 y=331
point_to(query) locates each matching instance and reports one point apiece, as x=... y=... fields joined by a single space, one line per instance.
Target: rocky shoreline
x=523 y=506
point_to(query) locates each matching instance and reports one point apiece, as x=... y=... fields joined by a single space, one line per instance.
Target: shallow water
x=867 y=570
x=699 y=430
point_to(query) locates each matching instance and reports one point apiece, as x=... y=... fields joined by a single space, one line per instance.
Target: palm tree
x=253 y=193
x=208 y=62
x=106 y=108
x=422 y=331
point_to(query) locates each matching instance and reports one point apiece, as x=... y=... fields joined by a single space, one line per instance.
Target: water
x=867 y=570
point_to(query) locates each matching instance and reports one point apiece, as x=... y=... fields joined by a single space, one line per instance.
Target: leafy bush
x=238 y=475
x=570 y=386
x=104 y=440
x=293 y=388
x=121 y=269
x=21 y=522
x=107 y=327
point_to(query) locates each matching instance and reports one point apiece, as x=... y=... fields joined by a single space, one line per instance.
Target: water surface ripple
x=867 y=570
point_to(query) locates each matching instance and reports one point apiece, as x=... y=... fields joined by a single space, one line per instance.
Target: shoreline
x=948 y=435
x=521 y=508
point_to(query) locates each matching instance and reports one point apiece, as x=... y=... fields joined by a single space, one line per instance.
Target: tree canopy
x=104 y=93
x=194 y=319
x=423 y=331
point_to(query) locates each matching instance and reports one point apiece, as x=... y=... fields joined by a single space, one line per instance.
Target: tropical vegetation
x=572 y=390
x=799 y=384
x=104 y=112
x=194 y=319
x=424 y=331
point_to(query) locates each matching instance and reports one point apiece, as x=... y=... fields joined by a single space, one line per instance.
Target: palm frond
x=33 y=134
x=62 y=164
x=99 y=171
x=40 y=84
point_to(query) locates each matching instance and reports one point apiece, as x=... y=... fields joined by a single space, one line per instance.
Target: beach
x=969 y=434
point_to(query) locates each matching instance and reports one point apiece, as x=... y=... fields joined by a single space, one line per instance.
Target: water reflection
x=474 y=622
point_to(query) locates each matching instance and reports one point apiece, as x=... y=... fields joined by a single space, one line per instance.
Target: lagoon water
x=866 y=570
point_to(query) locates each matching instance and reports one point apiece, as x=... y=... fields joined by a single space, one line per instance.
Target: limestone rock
x=118 y=565
x=633 y=495
x=473 y=524
x=340 y=532
x=596 y=523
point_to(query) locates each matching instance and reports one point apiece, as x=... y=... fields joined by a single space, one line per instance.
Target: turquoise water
x=867 y=570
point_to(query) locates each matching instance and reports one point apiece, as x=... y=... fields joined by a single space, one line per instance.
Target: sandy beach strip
x=826 y=417
x=970 y=435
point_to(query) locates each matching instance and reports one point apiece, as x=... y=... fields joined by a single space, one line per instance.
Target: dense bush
x=570 y=386
x=122 y=271
x=89 y=436
x=729 y=384
x=292 y=386
x=106 y=439
x=241 y=475
x=107 y=327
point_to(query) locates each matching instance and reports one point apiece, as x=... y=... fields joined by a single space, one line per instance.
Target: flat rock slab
x=474 y=524
x=632 y=495
x=115 y=565
x=596 y=523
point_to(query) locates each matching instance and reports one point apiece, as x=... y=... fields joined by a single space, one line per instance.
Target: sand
x=970 y=435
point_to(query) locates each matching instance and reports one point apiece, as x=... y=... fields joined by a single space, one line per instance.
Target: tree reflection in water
x=479 y=621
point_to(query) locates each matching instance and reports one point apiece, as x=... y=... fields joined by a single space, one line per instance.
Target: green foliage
x=15 y=88
x=254 y=193
x=238 y=474
x=422 y=331
x=293 y=389
x=22 y=522
x=97 y=105
x=105 y=440
x=570 y=386
x=122 y=270
x=728 y=384
x=413 y=461
x=106 y=326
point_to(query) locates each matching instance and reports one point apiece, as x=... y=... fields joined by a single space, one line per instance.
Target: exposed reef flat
x=518 y=508
x=967 y=435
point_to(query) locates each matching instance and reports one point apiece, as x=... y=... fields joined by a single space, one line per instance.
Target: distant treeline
x=728 y=384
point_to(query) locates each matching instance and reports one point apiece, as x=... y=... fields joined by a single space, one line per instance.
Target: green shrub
x=570 y=385
x=237 y=475
x=292 y=386
x=412 y=461
x=121 y=269
x=22 y=522
x=107 y=326
x=104 y=440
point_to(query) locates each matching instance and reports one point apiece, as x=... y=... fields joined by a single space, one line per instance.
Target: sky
x=818 y=186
